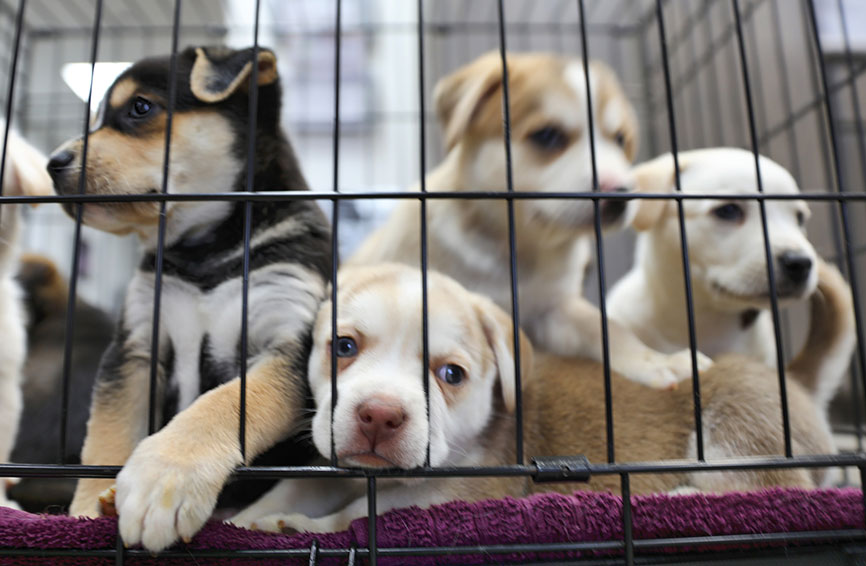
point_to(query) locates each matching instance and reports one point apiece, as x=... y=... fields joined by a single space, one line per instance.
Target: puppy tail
x=824 y=359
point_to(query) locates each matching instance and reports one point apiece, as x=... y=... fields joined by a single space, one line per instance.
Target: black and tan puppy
x=185 y=465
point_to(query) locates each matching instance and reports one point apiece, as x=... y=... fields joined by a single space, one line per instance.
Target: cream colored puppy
x=24 y=175
x=726 y=255
x=380 y=419
x=468 y=239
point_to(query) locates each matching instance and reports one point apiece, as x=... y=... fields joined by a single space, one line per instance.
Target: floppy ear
x=656 y=176
x=26 y=172
x=498 y=331
x=218 y=73
x=458 y=96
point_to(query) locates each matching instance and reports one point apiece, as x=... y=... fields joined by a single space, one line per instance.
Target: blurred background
x=379 y=114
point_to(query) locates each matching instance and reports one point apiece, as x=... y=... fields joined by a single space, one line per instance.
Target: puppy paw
x=666 y=371
x=167 y=490
x=684 y=490
x=107 y=507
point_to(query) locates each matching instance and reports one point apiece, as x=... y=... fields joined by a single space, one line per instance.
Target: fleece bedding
x=544 y=518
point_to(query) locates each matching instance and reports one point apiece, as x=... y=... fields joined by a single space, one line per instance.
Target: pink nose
x=612 y=186
x=380 y=419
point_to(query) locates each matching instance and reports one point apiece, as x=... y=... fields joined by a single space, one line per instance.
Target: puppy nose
x=380 y=420
x=59 y=161
x=612 y=187
x=796 y=266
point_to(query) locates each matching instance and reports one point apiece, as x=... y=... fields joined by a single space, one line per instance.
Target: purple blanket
x=582 y=517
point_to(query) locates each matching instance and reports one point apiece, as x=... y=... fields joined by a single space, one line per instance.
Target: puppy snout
x=612 y=186
x=795 y=266
x=59 y=162
x=380 y=419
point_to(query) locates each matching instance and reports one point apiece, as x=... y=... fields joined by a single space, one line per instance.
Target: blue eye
x=549 y=138
x=729 y=212
x=140 y=108
x=451 y=374
x=346 y=347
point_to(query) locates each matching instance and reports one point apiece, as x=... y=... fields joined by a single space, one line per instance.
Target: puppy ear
x=498 y=331
x=656 y=176
x=218 y=73
x=26 y=173
x=458 y=96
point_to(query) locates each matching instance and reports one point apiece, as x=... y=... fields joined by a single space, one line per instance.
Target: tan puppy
x=24 y=175
x=468 y=239
x=380 y=418
x=726 y=256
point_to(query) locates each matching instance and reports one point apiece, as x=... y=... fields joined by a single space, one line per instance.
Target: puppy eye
x=729 y=212
x=549 y=138
x=801 y=218
x=346 y=347
x=619 y=138
x=140 y=108
x=451 y=374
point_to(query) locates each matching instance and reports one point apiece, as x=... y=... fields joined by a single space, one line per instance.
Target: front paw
x=666 y=371
x=165 y=492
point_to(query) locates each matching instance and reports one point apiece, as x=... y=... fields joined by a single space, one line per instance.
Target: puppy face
x=726 y=245
x=126 y=146
x=549 y=134
x=381 y=416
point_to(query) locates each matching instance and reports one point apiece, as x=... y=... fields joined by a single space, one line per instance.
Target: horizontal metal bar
x=279 y=196
x=272 y=472
x=851 y=535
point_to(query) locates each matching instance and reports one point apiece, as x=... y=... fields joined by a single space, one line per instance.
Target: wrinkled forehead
x=388 y=307
x=724 y=172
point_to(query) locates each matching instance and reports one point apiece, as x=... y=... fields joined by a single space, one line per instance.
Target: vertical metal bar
x=76 y=241
x=157 y=290
x=425 y=358
x=314 y=553
x=627 y=527
x=861 y=146
x=119 y=549
x=771 y=276
x=252 y=118
x=372 y=544
x=698 y=113
x=840 y=188
x=714 y=81
x=684 y=244
x=855 y=94
x=647 y=92
x=335 y=220
x=599 y=245
x=512 y=251
x=353 y=551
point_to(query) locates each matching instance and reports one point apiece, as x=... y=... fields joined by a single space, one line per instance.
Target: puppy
x=468 y=239
x=24 y=175
x=730 y=285
x=45 y=298
x=171 y=480
x=380 y=419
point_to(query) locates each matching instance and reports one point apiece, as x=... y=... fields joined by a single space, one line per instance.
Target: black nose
x=58 y=162
x=795 y=266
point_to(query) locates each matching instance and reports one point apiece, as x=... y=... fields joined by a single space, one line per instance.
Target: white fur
x=25 y=175
x=727 y=261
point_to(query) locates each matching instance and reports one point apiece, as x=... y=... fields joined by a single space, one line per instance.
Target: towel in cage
x=773 y=518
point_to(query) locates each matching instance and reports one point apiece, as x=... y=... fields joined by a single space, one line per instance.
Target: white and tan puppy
x=380 y=419
x=727 y=259
x=468 y=239
x=24 y=175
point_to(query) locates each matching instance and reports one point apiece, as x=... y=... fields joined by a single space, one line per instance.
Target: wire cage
x=784 y=78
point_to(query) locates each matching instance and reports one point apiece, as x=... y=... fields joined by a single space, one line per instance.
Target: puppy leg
x=396 y=497
x=312 y=498
x=575 y=329
x=118 y=421
x=169 y=486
